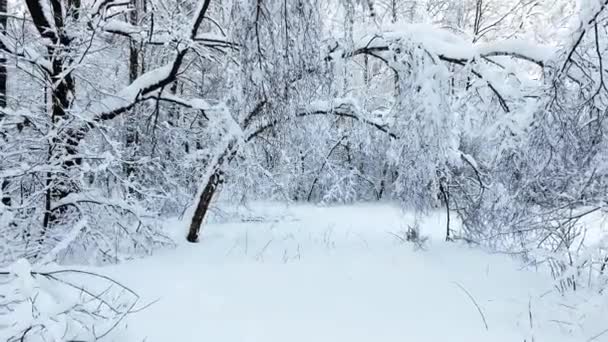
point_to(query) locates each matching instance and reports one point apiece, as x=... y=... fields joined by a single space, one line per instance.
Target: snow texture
x=444 y=43
x=303 y=273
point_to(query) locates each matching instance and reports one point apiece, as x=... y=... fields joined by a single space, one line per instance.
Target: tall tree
x=6 y=198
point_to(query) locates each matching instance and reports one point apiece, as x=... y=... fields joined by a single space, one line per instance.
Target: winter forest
x=303 y=170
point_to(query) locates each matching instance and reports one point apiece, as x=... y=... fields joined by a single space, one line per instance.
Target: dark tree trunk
x=6 y=198
x=216 y=178
x=132 y=135
x=446 y=197
x=134 y=46
x=383 y=181
x=3 y=71
x=63 y=148
x=395 y=75
x=202 y=206
x=206 y=196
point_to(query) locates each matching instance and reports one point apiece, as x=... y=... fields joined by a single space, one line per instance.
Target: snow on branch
x=151 y=81
x=120 y=27
x=28 y=55
x=214 y=41
x=344 y=107
x=77 y=199
x=441 y=45
x=589 y=18
x=501 y=98
x=446 y=45
x=101 y=5
x=61 y=304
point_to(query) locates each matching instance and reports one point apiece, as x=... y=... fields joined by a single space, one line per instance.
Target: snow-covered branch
x=345 y=108
x=447 y=45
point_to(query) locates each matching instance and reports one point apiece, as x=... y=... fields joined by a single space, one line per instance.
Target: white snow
x=63 y=244
x=445 y=43
x=121 y=27
x=347 y=105
x=533 y=51
x=129 y=94
x=304 y=273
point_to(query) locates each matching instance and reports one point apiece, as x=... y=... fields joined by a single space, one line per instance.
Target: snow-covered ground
x=304 y=273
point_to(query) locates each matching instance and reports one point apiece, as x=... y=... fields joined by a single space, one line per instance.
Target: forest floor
x=302 y=273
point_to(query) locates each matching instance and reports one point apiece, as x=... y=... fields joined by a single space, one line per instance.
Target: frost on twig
x=60 y=304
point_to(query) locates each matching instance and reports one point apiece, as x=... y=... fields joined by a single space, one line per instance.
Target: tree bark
x=63 y=147
x=206 y=196
x=6 y=198
x=395 y=74
x=132 y=134
x=3 y=71
x=202 y=206
x=446 y=198
x=217 y=174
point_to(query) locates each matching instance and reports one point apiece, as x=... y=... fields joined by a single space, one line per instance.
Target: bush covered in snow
x=60 y=305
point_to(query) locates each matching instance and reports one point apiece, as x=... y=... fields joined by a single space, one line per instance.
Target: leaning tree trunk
x=216 y=167
x=203 y=204
x=209 y=190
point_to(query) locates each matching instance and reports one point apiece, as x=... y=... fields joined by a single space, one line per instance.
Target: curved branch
x=345 y=110
x=582 y=34
x=204 y=6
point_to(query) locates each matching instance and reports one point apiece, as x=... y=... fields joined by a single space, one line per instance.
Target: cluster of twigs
x=93 y=316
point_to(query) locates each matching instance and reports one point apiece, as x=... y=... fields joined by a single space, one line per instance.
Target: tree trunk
x=3 y=74
x=446 y=197
x=395 y=75
x=216 y=177
x=63 y=147
x=132 y=134
x=206 y=196
x=6 y=198
x=383 y=181
x=202 y=206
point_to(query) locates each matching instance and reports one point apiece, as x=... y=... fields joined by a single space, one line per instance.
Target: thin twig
x=483 y=317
